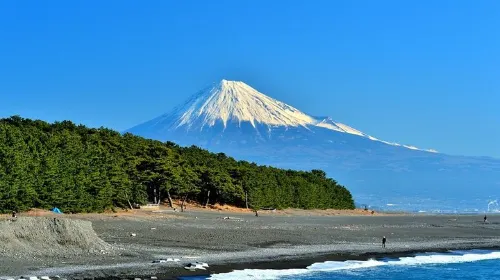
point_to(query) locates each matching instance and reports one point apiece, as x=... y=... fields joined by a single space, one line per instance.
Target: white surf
x=330 y=266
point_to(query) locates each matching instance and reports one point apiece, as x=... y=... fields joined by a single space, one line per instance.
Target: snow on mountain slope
x=328 y=123
x=234 y=102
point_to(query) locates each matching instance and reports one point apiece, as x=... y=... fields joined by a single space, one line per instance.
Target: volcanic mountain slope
x=229 y=105
x=236 y=119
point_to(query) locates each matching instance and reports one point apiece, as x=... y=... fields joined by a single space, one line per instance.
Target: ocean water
x=475 y=264
x=421 y=204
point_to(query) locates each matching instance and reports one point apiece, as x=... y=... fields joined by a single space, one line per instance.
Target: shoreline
x=294 y=239
x=305 y=261
x=301 y=261
x=284 y=263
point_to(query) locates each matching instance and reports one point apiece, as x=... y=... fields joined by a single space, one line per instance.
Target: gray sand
x=206 y=236
x=45 y=237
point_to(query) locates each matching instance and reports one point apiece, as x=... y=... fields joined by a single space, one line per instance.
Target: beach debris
x=133 y=234
x=232 y=218
x=32 y=278
x=153 y=228
x=154 y=277
x=45 y=278
x=204 y=264
x=137 y=279
x=196 y=265
x=167 y=260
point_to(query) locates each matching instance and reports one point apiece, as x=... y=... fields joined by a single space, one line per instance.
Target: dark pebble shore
x=270 y=241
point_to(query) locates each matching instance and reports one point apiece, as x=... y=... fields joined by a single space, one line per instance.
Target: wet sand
x=272 y=240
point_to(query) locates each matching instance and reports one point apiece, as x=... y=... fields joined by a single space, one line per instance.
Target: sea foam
x=423 y=259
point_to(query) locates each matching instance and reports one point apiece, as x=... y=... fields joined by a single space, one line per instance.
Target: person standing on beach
x=383 y=241
x=485 y=219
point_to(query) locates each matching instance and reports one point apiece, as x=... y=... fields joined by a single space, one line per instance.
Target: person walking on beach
x=14 y=216
x=383 y=241
x=485 y=219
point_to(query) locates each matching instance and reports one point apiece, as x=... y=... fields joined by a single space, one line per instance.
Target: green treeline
x=79 y=169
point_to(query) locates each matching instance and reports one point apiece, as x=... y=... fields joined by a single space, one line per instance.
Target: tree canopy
x=80 y=169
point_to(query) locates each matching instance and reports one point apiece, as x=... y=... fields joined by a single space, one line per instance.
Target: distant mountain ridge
x=234 y=118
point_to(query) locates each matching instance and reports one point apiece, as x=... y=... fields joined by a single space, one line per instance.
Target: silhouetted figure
x=485 y=219
x=383 y=241
x=256 y=213
x=14 y=214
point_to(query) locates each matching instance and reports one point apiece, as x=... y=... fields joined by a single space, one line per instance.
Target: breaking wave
x=330 y=266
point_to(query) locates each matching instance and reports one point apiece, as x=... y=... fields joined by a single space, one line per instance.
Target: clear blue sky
x=424 y=73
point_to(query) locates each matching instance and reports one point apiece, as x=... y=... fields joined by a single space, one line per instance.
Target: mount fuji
x=236 y=119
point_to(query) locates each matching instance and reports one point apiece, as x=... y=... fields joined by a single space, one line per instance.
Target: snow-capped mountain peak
x=232 y=103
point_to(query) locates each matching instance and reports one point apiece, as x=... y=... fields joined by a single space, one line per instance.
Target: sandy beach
x=229 y=240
